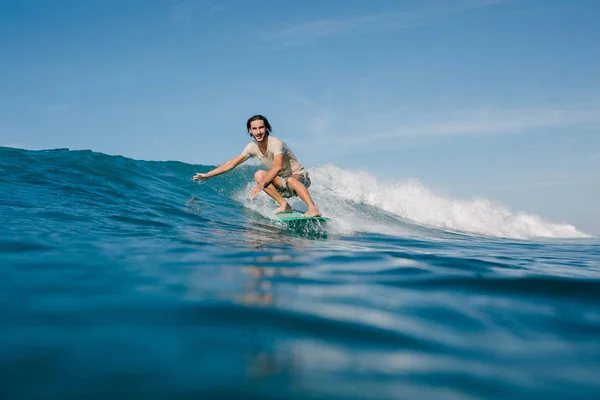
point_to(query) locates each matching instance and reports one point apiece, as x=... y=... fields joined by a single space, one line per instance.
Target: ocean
x=123 y=278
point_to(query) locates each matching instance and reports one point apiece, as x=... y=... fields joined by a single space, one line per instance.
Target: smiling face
x=258 y=130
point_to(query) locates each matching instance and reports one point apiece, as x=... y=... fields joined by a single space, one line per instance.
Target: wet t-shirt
x=275 y=146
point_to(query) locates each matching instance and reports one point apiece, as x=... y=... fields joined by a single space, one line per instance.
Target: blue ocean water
x=125 y=279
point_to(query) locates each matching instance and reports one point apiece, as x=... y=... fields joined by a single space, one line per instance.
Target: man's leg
x=272 y=191
x=294 y=183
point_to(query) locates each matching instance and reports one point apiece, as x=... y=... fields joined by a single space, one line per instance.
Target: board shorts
x=286 y=191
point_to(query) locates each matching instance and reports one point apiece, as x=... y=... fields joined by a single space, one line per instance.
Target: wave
x=355 y=201
x=412 y=201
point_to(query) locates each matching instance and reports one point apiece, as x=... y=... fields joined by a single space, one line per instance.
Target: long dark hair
x=259 y=118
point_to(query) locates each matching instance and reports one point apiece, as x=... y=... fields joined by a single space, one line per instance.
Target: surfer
x=285 y=177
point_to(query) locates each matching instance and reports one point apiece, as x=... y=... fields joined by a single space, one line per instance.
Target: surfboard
x=297 y=216
x=313 y=227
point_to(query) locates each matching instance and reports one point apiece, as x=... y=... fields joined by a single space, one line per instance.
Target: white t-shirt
x=276 y=146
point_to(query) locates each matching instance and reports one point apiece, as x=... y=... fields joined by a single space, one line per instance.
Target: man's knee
x=293 y=182
x=259 y=175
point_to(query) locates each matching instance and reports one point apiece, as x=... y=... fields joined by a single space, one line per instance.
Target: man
x=285 y=178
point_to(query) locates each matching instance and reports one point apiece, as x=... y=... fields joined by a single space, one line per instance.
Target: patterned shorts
x=287 y=192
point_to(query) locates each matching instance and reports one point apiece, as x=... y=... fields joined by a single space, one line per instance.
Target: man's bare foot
x=312 y=212
x=283 y=209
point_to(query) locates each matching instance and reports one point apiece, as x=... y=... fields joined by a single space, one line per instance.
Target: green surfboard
x=313 y=227
x=297 y=216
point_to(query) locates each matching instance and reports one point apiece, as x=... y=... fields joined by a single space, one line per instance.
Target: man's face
x=258 y=130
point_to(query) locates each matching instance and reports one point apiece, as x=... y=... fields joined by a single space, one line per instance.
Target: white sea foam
x=403 y=207
x=339 y=191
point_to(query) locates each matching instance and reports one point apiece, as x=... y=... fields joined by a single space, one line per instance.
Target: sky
x=474 y=98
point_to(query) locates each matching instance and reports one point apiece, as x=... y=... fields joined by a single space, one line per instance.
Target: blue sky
x=474 y=98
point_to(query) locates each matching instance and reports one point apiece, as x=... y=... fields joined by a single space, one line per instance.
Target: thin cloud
x=182 y=12
x=187 y=11
x=358 y=135
x=575 y=178
x=313 y=30
x=479 y=122
x=217 y=8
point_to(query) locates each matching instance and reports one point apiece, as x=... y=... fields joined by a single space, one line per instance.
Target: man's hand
x=201 y=177
x=256 y=190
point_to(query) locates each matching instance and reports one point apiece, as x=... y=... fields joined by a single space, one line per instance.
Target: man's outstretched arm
x=221 y=169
